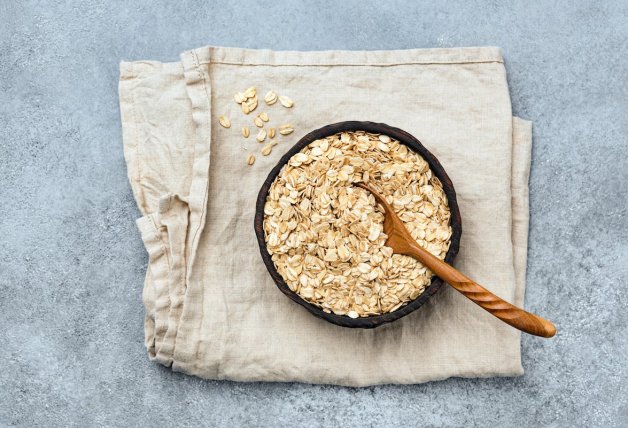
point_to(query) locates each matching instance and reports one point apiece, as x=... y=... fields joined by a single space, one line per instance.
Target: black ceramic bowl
x=404 y=138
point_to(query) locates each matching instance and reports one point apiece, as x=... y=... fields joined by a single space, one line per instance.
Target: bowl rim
x=437 y=169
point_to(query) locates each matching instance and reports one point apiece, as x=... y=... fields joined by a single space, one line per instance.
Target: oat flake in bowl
x=325 y=236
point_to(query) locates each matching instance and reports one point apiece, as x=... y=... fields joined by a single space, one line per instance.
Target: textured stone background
x=72 y=264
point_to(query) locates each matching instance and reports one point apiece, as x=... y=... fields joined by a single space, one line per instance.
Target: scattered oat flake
x=250 y=159
x=271 y=133
x=224 y=121
x=239 y=98
x=245 y=132
x=286 y=129
x=270 y=98
x=250 y=104
x=286 y=101
x=261 y=135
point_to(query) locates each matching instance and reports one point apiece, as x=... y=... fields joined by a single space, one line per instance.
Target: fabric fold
x=164 y=234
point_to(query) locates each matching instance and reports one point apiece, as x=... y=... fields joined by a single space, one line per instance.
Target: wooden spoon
x=400 y=240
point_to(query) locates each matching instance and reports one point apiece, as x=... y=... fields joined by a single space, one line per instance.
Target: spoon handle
x=510 y=314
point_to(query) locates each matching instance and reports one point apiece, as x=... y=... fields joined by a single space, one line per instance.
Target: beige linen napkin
x=212 y=309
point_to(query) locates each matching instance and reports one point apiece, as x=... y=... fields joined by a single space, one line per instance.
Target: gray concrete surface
x=72 y=264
